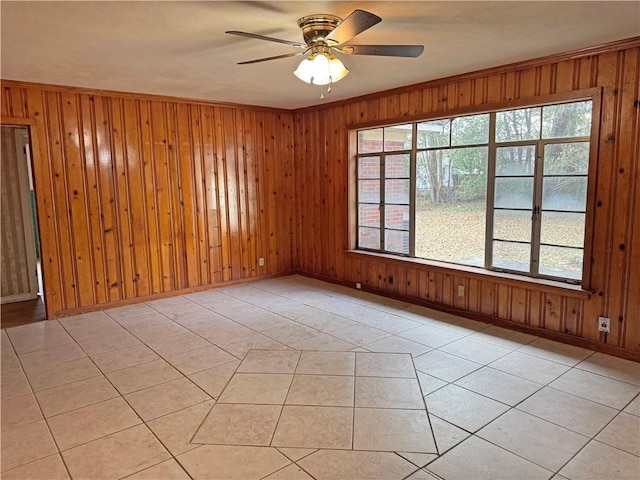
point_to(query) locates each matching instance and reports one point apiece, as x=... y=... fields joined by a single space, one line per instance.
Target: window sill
x=561 y=288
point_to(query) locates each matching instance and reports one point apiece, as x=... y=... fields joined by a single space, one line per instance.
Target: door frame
x=34 y=150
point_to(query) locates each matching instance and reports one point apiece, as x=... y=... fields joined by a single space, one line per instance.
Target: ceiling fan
x=324 y=34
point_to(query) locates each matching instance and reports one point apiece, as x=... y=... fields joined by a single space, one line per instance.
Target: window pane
x=511 y=256
x=470 y=130
x=396 y=216
x=441 y=226
x=369 y=167
x=397 y=166
x=567 y=120
x=564 y=193
x=521 y=124
x=561 y=262
x=445 y=176
x=514 y=193
x=370 y=140
x=369 y=191
x=369 y=238
x=562 y=228
x=369 y=215
x=515 y=160
x=397 y=138
x=396 y=241
x=433 y=134
x=396 y=191
x=512 y=225
x=566 y=159
x=451 y=191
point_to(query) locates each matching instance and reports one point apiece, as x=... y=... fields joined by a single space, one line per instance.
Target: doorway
x=22 y=295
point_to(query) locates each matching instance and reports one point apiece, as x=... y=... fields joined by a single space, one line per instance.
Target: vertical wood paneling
x=190 y=251
x=614 y=263
x=105 y=183
x=65 y=250
x=122 y=204
x=141 y=196
x=94 y=210
x=47 y=213
x=626 y=135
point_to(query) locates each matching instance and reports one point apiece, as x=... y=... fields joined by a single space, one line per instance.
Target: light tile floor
x=293 y=378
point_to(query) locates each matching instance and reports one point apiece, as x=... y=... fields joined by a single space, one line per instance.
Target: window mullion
x=491 y=178
x=412 y=190
x=536 y=214
x=383 y=178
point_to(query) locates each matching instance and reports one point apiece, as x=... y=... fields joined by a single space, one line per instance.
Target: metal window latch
x=535 y=212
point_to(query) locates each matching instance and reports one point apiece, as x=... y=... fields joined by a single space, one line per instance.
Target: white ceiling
x=180 y=48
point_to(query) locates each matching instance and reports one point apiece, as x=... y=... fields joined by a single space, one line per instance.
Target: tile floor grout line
x=284 y=401
x=361 y=323
x=474 y=435
x=584 y=398
x=175 y=457
x=547 y=385
x=353 y=407
x=553 y=423
x=137 y=414
x=541 y=386
x=151 y=466
x=235 y=321
x=517 y=454
x=92 y=404
x=204 y=419
x=44 y=418
x=302 y=468
x=424 y=400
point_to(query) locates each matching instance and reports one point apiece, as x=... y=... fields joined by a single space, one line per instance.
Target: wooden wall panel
x=322 y=165
x=145 y=195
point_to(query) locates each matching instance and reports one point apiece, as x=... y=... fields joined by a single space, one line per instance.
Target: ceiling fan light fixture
x=321 y=69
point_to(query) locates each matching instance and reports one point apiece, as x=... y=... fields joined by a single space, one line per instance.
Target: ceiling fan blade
x=266 y=59
x=383 y=50
x=262 y=37
x=354 y=24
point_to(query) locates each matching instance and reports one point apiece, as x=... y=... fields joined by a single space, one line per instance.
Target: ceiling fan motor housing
x=316 y=27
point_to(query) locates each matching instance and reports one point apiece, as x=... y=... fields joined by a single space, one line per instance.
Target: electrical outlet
x=604 y=325
x=359 y=286
x=461 y=290
x=261 y=262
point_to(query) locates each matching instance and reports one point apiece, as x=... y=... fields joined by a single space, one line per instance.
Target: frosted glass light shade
x=321 y=69
x=337 y=69
x=305 y=70
x=321 y=73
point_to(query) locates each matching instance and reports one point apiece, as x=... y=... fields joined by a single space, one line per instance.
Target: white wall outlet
x=261 y=262
x=604 y=325
x=461 y=290
x=359 y=286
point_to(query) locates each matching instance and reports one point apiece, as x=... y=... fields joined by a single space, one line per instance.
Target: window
x=504 y=190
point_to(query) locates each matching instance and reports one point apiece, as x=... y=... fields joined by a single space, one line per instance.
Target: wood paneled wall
x=322 y=170
x=142 y=195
